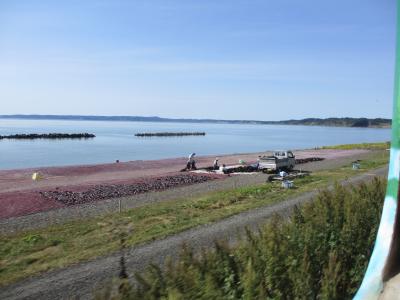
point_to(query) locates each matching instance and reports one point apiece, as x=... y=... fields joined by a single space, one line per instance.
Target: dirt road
x=78 y=281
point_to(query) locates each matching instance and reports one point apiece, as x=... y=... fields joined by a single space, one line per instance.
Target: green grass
x=321 y=252
x=35 y=251
x=367 y=146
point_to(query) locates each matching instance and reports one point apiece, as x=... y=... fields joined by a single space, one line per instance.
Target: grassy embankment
x=321 y=253
x=58 y=246
x=367 y=146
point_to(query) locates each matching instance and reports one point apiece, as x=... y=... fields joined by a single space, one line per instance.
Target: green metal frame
x=385 y=257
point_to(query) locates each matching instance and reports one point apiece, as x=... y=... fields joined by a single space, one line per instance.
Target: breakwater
x=33 y=136
x=162 y=134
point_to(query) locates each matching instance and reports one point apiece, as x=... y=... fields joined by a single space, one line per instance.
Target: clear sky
x=225 y=59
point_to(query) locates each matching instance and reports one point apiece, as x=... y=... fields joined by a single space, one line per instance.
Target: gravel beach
x=25 y=208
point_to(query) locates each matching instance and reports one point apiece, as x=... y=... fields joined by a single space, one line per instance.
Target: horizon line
x=68 y=116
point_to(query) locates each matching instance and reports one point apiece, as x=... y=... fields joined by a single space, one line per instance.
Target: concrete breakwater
x=161 y=134
x=32 y=136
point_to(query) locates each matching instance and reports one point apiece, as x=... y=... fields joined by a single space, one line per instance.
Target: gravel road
x=78 y=281
x=62 y=215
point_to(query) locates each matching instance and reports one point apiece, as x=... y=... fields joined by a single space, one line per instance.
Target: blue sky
x=237 y=59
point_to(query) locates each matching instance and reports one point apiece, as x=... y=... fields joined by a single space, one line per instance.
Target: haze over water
x=116 y=140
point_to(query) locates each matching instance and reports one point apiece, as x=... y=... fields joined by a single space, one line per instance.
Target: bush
x=321 y=252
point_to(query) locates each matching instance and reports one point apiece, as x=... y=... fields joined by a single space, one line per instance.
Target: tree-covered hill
x=340 y=122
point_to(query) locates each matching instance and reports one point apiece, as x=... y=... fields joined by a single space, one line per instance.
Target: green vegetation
x=320 y=253
x=341 y=122
x=35 y=251
x=366 y=146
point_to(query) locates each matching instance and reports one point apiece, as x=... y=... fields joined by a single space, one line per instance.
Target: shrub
x=320 y=252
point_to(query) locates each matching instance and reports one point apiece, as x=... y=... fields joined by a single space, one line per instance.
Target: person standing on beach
x=215 y=165
x=191 y=164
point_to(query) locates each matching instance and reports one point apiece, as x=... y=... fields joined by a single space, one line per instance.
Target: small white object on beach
x=36 y=176
x=283 y=174
x=221 y=170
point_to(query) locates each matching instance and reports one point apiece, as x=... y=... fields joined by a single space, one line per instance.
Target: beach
x=20 y=195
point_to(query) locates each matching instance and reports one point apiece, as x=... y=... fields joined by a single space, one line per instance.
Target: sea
x=116 y=140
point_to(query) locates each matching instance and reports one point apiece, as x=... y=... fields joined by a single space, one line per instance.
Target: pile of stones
x=101 y=192
x=308 y=159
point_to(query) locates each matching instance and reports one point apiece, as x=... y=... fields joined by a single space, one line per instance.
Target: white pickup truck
x=279 y=160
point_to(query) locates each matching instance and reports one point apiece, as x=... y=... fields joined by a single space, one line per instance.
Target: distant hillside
x=339 y=122
x=343 y=122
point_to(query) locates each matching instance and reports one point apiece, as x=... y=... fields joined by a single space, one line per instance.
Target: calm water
x=116 y=140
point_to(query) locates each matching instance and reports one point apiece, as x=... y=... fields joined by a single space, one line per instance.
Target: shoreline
x=200 y=158
x=201 y=162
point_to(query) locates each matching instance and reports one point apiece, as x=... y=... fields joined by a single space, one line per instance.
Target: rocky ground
x=101 y=192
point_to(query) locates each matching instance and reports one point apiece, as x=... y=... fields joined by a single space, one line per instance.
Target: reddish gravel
x=16 y=204
x=20 y=195
x=24 y=203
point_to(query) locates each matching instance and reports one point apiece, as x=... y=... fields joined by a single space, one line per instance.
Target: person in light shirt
x=215 y=164
x=191 y=164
